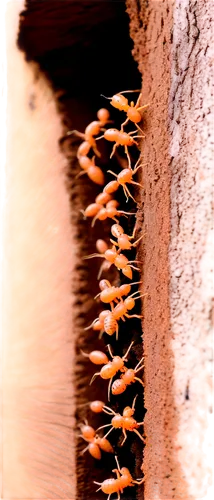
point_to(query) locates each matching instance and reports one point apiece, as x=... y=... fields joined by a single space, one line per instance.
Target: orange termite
x=96 y=443
x=93 y=171
x=109 y=370
x=126 y=422
x=121 y=139
x=110 y=294
x=120 y=312
x=118 y=259
x=124 y=480
x=123 y=240
x=123 y=178
x=132 y=110
x=99 y=212
x=128 y=377
x=91 y=131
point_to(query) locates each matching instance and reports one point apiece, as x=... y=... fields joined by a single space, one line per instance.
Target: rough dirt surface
x=174 y=56
x=173 y=210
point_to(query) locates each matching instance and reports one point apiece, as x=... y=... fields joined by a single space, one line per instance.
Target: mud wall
x=173 y=50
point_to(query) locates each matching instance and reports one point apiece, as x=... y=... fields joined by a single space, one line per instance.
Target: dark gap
x=84 y=49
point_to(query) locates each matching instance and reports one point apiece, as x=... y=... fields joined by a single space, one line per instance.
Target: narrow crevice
x=84 y=49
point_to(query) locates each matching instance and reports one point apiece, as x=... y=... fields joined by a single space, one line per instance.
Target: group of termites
x=119 y=298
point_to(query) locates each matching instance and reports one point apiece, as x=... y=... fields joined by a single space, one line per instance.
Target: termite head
x=128 y=412
x=88 y=432
x=101 y=246
x=125 y=176
x=103 y=115
x=117 y=421
x=129 y=303
x=129 y=376
x=96 y=406
x=103 y=198
x=111 y=134
x=126 y=478
x=120 y=102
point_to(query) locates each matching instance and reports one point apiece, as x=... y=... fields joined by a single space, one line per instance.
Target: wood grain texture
x=172 y=44
x=38 y=411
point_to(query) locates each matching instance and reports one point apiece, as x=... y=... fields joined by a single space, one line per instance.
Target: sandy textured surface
x=173 y=49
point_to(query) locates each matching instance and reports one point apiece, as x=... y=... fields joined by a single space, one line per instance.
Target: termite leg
x=139 y=481
x=110 y=351
x=108 y=410
x=124 y=123
x=141 y=437
x=112 y=428
x=91 y=325
x=117 y=462
x=138 y=370
x=126 y=190
x=85 y=449
x=138 y=379
x=114 y=149
x=137 y=184
x=103 y=426
x=80 y=174
x=127 y=154
x=117 y=330
x=125 y=437
x=76 y=132
x=113 y=173
x=136 y=268
x=109 y=388
x=137 y=241
x=134 y=316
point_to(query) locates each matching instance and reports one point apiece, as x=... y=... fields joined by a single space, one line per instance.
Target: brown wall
x=172 y=44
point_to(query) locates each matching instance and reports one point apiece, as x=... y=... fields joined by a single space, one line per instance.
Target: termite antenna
x=93 y=255
x=85 y=354
x=91 y=325
x=127 y=352
x=102 y=95
x=94 y=376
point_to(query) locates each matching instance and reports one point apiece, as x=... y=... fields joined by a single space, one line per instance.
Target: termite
x=126 y=422
x=118 y=259
x=120 y=311
x=96 y=443
x=121 y=139
x=123 y=178
x=109 y=370
x=91 y=131
x=128 y=377
x=110 y=294
x=124 y=480
x=99 y=212
x=93 y=171
x=132 y=110
x=123 y=240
